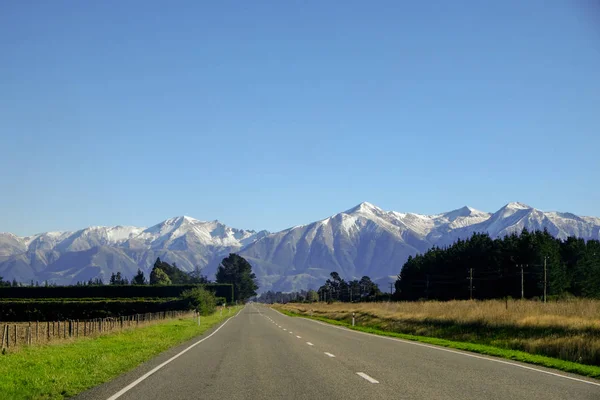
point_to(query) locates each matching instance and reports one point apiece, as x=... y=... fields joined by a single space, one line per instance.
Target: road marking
x=284 y=329
x=299 y=337
x=309 y=343
x=452 y=351
x=147 y=374
x=367 y=377
x=329 y=354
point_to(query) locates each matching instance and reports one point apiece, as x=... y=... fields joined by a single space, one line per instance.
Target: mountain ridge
x=363 y=240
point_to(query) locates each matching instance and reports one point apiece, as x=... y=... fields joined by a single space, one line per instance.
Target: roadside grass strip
x=62 y=370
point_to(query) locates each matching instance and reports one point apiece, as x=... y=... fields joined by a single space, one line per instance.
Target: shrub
x=200 y=300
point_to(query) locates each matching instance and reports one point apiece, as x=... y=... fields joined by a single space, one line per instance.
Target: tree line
x=334 y=289
x=527 y=265
x=234 y=270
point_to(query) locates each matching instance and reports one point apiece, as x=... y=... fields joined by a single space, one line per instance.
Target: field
x=566 y=330
x=62 y=370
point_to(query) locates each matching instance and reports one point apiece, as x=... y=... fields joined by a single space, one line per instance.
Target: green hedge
x=111 y=291
x=63 y=310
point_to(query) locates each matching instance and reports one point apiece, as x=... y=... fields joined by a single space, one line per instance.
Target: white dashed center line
x=299 y=337
x=367 y=377
x=329 y=354
x=309 y=343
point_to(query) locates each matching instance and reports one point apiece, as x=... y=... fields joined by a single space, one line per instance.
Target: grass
x=563 y=335
x=63 y=370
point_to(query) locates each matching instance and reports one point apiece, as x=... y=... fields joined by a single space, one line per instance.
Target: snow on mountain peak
x=517 y=206
x=365 y=208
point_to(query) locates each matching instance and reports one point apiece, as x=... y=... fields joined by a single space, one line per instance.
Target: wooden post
x=64 y=330
x=48 y=330
x=15 y=335
x=77 y=328
x=37 y=331
x=3 y=337
x=58 y=328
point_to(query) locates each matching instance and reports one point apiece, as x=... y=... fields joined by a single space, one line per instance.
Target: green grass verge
x=567 y=366
x=63 y=370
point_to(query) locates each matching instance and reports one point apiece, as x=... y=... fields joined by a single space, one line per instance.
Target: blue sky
x=269 y=114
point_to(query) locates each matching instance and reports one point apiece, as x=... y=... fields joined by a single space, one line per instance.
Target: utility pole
x=427 y=288
x=522 y=282
x=545 y=277
x=391 y=287
x=471 y=283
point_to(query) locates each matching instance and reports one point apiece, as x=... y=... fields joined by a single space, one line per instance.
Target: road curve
x=263 y=354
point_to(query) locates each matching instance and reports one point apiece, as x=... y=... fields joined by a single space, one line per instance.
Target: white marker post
x=198 y=319
x=352 y=319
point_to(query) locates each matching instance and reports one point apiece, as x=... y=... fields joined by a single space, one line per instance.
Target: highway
x=263 y=354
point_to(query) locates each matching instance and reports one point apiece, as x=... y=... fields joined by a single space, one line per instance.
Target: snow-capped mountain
x=364 y=240
x=66 y=257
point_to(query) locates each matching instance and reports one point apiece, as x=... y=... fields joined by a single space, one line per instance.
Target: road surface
x=262 y=354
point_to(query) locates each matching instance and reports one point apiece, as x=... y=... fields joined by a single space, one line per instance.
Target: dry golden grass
x=572 y=314
x=568 y=330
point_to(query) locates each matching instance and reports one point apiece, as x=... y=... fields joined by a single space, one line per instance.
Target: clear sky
x=269 y=114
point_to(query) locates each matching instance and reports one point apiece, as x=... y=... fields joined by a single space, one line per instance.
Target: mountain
x=97 y=252
x=364 y=240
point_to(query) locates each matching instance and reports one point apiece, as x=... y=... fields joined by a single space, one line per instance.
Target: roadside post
x=352 y=319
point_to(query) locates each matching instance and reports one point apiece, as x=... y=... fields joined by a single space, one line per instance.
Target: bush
x=200 y=300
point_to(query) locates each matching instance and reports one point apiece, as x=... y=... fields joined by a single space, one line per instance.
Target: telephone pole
x=470 y=283
x=391 y=287
x=545 y=277
x=522 y=281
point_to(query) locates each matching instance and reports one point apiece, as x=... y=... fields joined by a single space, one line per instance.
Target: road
x=262 y=354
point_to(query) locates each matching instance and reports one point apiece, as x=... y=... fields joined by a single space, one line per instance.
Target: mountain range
x=364 y=240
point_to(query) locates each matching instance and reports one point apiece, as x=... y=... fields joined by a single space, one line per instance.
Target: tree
x=196 y=276
x=139 y=278
x=238 y=272
x=159 y=277
x=176 y=275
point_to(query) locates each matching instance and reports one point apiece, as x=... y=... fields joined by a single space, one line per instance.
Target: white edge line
x=153 y=370
x=367 y=377
x=449 y=351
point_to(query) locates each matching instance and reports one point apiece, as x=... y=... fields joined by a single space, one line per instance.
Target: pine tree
x=139 y=278
x=238 y=272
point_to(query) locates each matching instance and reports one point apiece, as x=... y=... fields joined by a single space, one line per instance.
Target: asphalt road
x=262 y=354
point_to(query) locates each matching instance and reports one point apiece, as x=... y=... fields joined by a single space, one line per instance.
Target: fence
x=28 y=333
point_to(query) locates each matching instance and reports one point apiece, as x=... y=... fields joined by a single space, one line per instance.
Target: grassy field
x=63 y=370
x=568 y=330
